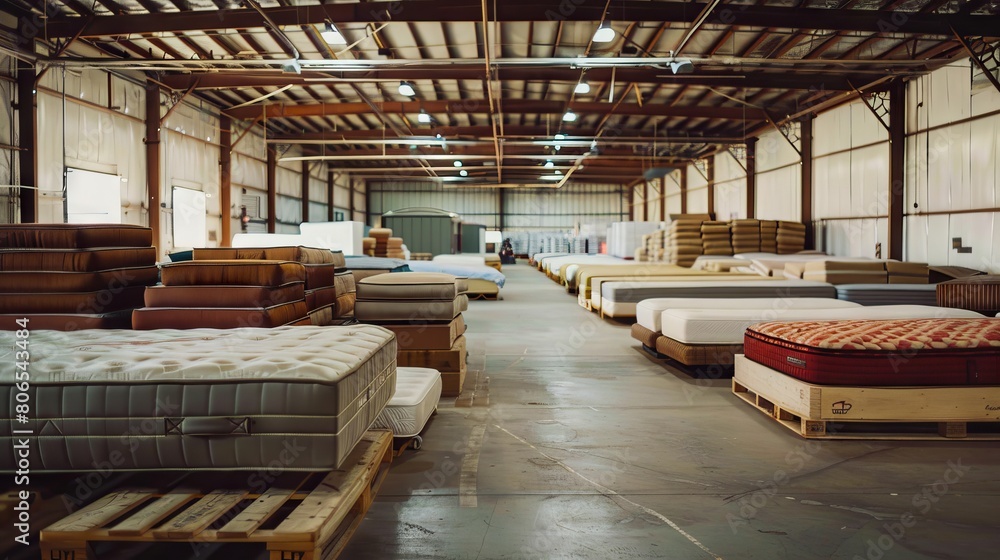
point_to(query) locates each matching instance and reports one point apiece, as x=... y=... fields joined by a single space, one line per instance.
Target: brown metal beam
x=710 y=177
x=153 y=160
x=751 y=177
x=520 y=10
x=512 y=132
x=305 y=191
x=272 y=190
x=276 y=111
x=897 y=167
x=806 y=136
x=226 y=178
x=684 y=189
x=27 y=157
x=329 y=195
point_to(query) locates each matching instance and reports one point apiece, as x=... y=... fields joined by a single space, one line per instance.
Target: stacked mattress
x=363 y=267
x=745 y=235
x=907 y=272
x=682 y=242
x=201 y=399
x=978 y=293
x=70 y=276
x=715 y=238
x=844 y=272
x=418 y=391
x=888 y=294
x=424 y=310
x=769 y=236
x=790 y=237
x=913 y=352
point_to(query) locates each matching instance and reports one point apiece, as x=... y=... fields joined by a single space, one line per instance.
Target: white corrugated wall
x=697 y=191
x=730 y=187
x=779 y=179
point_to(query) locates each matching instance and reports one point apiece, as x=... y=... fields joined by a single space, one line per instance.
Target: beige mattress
x=597 y=300
x=413 y=311
x=409 y=286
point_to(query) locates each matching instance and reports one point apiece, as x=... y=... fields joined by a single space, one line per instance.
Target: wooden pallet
x=303 y=516
x=876 y=413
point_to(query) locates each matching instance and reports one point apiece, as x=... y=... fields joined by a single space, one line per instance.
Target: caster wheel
x=417 y=442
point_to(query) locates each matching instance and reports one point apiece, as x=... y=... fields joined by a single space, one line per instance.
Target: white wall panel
x=673 y=193
x=774 y=151
x=779 y=194
x=832 y=131
x=985 y=98
x=317 y=184
x=856 y=238
x=929 y=239
x=731 y=199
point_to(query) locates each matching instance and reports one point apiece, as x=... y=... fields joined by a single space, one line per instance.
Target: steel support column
x=684 y=190
x=153 y=160
x=28 y=154
x=806 y=134
x=272 y=190
x=226 y=179
x=305 y=191
x=710 y=177
x=329 y=195
x=751 y=144
x=897 y=166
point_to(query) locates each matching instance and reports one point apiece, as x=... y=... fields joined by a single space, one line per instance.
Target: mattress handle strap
x=207 y=426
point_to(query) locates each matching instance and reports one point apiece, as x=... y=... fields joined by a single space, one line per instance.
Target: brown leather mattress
x=103 y=301
x=345 y=305
x=320 y=275
x=150 y=318
x=321 y=297
x=74 y=236
x=975 y=293
x=232 y=273
x=76 y=260
x=304 y=255
x=53 y=281
x=223 y=296
x=67 y=321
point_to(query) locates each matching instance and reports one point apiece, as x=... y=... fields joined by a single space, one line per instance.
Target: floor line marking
x=609 y=492
x=468 y=483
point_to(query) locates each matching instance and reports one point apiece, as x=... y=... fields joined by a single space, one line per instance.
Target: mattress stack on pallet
x=424 y=309
x=682 y=242
x=715 y=239
x=226 y=288
x=824 y=378
x=790 y=238
x=768 y=236
x=907 y=272
x=70 y=277
x=745 y=236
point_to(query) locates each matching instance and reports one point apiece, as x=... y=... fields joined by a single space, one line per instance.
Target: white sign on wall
x=190 y=227
x=93 y=198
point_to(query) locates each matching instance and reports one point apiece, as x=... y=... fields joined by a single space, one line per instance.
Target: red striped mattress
x=885 y=353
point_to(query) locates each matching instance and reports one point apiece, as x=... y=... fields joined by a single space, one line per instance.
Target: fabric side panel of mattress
x=76 y=260
x=414 y=291
x=698 y=354
x=68 y=321
x=646 y=336
x=52 y=281
x=150 y=318
x=223 y=296
x=232 y=273
x=975 y=296
x=321 y=297
x=104 y=301
x=873 y=368
x=409 y=420
x=344 y=282
x=413 y=311
x=74 y=236
x=304 y=255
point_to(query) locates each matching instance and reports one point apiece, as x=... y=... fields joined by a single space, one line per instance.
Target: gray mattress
x=199 y=399
x=889 y=294
x=634 y=292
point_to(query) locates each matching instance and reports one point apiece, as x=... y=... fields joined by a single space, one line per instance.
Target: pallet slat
x=153 y=513
x=201 y=515
x=101 y=511
x=256 y=513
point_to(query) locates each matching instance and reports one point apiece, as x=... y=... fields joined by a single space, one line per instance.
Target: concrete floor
x=571 y=442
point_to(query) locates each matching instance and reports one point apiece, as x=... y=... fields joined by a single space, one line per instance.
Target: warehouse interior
x=585 y=133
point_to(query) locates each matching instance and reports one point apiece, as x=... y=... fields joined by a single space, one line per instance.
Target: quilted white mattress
x=462 y=260
x=199 y=399
x=649 y=311
x=418 y=391
x=553 y=264
x=726 y=326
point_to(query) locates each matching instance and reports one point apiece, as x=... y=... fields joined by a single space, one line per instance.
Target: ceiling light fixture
x=423 y=117
x=463 y=173
x=332 y=35
x=458 y=163
x=570 y=116
x=582 y=87
x=604 y=33
x=406 y=88
x=548 y=163
x=682 y=66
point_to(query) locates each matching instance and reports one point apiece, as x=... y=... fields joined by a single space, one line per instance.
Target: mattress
x=414 y=311
x=322 y=316
x=644 y=335
x=487 y=273
x=418 y=391
x=912 y=352
x=727 y=326
x=149 y=318
x=74 y=236
x=76 y=260
x=649 y=312
x=56 y=281
x=888 y=294
x=461 y=260
x=200 y=399
x=345 y=305
x=597 y=283
x=232 y=273
x=362 y=263
x=103 y=301
x=223 y=296
x=698 y=354
x=478 y=287
x=321 y=297
x=584 y=273
x=428 y=336
x=978 y=293
x=68 y=321
x=847 y=277
x=304 y=255
x=619 y=299
x=409 y=286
